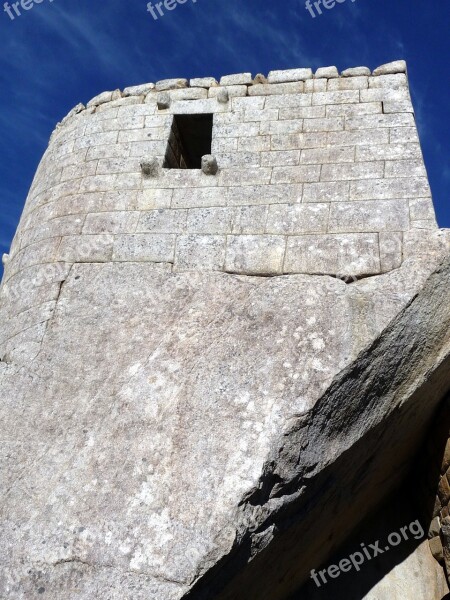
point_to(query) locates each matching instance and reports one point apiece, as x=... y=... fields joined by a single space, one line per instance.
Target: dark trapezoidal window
x=190 y=139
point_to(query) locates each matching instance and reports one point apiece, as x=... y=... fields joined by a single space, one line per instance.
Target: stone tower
x=199 y=317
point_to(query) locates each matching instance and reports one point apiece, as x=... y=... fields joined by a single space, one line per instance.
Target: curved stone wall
x=318 y=174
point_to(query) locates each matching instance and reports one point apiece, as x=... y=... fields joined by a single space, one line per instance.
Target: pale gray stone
x=272 y=89
x=139 y=90
x=203 y=82
x=233 y=91
x=5 y=259
x=327 y=73
x=348 y=255
x=214 y=220
x=255 y=254
x=398 y=66
x=356 y=72
x=163 y=100
x=171 y=84
x=290 y=75
x=103 y=98
x=369 y=215
x=297 y=218
x=200 y=252
x=151 y=247
x=238 y=79
x=223 y=96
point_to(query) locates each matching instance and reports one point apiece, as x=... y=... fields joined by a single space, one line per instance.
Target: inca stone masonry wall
x=318 y=174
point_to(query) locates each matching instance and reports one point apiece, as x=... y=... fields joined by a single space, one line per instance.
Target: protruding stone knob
x=150 y=167
x=223 y=96
x=5 y=259
x=209 y=164
x=163 y=100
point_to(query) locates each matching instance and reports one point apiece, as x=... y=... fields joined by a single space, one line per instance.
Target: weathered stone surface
x=289 y=75
x=327 y=73
x=194 y=370
x=171 y=84
x=398 y=66
x=238 y=79
x=356 y=72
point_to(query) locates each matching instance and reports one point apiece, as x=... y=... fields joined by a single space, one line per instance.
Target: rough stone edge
x=142 y=91
x=295 y=476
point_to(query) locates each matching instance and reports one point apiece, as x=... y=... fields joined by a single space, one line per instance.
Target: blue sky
x=63 y=52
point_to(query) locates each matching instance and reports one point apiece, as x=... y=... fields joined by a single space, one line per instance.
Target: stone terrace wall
x=319 y=174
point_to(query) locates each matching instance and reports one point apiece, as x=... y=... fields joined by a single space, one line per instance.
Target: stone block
x=302 y=112
x=259 y=143
x=171 y=84
x=376 y=121
x=255 y=254
x=384 y=189
x=354 y=110
x=85 y=248
x=397 y=66
x=281 y=158
x=327 y=73
x=406 y=168
x=314 y=125
x=214 y=220
x=264 y=194
x=360 y=137
x=111 y=222
x=290 y=75
x=340 y=97
x=200 y=253
x=250 y=219
x=287 y=101
x=401 y=106
x=200 y=197
x=237 y=79
x=245 y=176
x=348 y=83
x=236 y=130
x=347 y=171
x=391 y=82
x=369 y=215
x=320 y=156
x=384 y=94
x=138 y=90
x=403 y=135
x=144 y=247
x=297 y=218
x=163 y=220
x=282 y=127
x=349 y=255
x=104 y=97
x=356 y=72
x=240 y=159
x=298 y=174
x=389 y=152
x=326 y=191
x=233 y=91
x=271 y=89
x=192 y=107
x=203 y=82
x=153 y=198
x=188 y=94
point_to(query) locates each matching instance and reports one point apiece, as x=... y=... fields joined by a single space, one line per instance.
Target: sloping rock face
x=196 y=368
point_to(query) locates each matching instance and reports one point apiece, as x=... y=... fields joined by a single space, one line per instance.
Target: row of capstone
x=240 y=79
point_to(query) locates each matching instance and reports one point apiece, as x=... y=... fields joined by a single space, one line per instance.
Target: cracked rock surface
x=172 y=427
